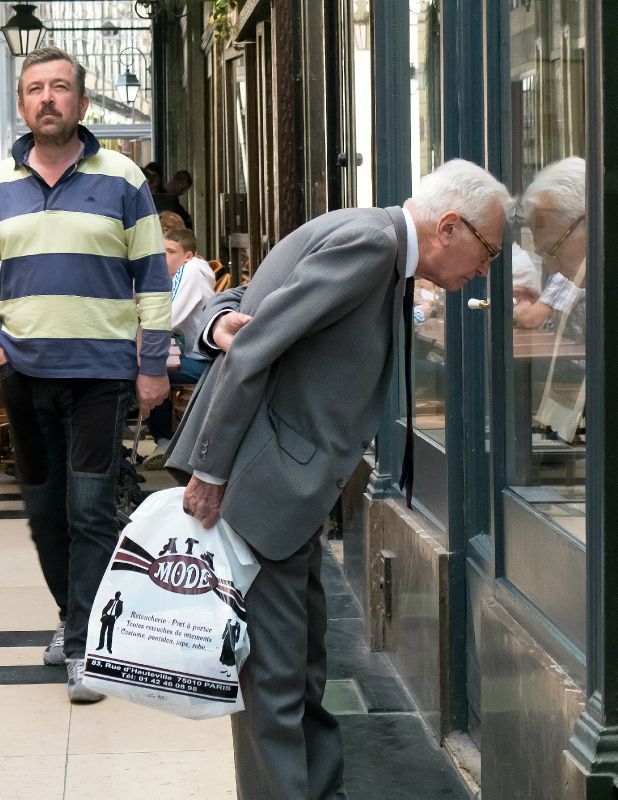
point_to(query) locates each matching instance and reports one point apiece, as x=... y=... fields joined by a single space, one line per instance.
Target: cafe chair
x=180 y=396
x=7 y=461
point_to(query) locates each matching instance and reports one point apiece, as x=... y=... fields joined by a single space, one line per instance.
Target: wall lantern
x=23 y=32
x=128 y=85
x=127 y=82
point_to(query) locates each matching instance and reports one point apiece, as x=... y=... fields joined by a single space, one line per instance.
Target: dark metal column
x=391 y=59
x=594 y=746
x=159 y=95
x=468 y=504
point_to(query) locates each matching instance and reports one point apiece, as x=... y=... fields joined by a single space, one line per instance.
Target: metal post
x=593 y=749
x=391 y=58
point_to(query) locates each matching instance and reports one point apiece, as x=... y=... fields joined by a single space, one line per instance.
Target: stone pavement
x=115 y=750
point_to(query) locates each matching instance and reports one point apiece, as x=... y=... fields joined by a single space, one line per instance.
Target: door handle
x=474 y=304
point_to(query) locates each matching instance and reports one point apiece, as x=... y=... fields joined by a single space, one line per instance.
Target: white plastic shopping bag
x=168 y=626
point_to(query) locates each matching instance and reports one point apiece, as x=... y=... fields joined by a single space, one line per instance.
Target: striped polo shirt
x=82 y=267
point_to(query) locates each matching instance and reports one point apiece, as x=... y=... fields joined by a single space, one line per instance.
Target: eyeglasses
x=551 y=253
x=494 y=252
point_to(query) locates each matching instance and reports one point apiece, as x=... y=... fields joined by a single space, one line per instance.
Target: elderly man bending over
x=283 y=419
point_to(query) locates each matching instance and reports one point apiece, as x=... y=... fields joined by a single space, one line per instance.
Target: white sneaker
x=78 y=693
x=54 y=652
x=157 y=459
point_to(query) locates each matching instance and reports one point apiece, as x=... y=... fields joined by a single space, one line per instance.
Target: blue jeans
x=160 y=420
x=67 y=438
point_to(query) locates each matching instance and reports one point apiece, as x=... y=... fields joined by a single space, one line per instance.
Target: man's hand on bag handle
x=226 y=327
x=203 y=500
x=151 y=391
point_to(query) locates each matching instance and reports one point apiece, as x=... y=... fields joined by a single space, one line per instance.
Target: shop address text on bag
x=168 y=625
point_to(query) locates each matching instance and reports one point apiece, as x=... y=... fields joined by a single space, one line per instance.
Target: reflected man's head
x=554 y=206
x=459 y=211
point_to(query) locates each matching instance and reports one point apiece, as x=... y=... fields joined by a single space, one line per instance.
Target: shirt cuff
x=206 y=337
x=155 y=367
x=206 y=477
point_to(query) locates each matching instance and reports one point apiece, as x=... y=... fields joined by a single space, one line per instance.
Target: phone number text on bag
x=163 y=680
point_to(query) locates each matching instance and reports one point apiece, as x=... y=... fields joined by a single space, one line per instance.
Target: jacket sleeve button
x=340 y=483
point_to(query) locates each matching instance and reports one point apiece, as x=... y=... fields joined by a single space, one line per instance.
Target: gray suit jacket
x=287 y=413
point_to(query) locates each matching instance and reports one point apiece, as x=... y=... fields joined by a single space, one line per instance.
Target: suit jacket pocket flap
x=294 y=443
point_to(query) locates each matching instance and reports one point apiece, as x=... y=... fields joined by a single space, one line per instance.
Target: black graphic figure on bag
x=230 y=637
x=111 y=612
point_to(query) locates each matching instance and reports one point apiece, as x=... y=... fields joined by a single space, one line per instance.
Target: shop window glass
x=429 y=300
x=363 y=103
x=547 y=451
x=240 y=113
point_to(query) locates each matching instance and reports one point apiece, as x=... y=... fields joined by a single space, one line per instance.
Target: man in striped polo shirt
x=82 y=266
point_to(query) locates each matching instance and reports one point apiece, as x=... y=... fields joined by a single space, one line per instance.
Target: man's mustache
x=47 y=111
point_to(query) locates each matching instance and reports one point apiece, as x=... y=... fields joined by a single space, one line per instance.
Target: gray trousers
x=286 y=745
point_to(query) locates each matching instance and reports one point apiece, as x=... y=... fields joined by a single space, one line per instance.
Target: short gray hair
x=463 y=187
x=562 y=186
x=44 y=54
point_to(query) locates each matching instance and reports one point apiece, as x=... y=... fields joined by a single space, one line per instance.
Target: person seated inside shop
x=193 y=284
x=554 y=206
x=429 y=370
x=526 y=271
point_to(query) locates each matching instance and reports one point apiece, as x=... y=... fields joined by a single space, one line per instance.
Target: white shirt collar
x=412 y=252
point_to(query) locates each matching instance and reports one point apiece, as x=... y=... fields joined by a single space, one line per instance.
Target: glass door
x=429 y=347
x=547 y=459
x=350 y=104
x=524 y=421
x=544 y=501
x=234 y=212
x=537 y=326
x=429 y=368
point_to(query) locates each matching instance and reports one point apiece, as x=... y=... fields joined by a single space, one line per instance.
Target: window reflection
x=240 y=111
x=363 y=103
x=425 y=98
x=547 y=458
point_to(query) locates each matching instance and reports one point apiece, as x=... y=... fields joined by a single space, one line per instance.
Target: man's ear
x=445 y=227
x=188 y=256
x=84 y=102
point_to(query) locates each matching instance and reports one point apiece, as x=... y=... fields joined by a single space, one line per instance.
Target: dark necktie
x=407 y=467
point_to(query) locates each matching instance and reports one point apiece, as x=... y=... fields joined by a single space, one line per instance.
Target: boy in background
x=193 y=284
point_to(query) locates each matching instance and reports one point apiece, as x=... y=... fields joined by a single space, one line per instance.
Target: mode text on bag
x=168 y=625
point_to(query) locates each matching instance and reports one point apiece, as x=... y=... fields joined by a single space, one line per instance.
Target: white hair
x=463 y=187
x=562 y=186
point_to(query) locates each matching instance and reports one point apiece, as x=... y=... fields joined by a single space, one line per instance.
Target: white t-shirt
x=525 y=272
x=192 y=286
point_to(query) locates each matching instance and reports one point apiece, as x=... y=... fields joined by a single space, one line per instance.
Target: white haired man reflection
x=555 y=209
